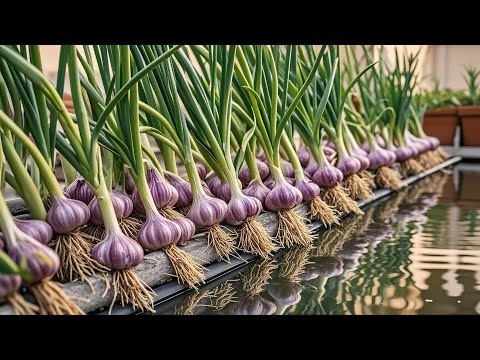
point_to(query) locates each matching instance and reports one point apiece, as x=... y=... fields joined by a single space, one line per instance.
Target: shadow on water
x=416 y=253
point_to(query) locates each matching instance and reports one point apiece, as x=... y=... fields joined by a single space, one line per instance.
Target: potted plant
x=470 y=114
x=441 y=119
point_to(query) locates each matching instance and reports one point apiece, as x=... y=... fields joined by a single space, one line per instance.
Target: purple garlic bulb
x=9 y=284
x=122 y=205
x=256 y=305
x=244 y=173
x=34 y=257
x=311 y=167
x=117 y=252
x=330 y=144
x=207 y=189
x=287 y=169
x=187 y=228
x=183 y=188
x=283 y=196
x=290 y=180
x=269 y=182
x=329 y=266
x=358 y=150
x=80 y=190
x=202 y=170
x=309 y=190
x=364 y=161
x=207 y=211
x=65 y=215
x=37 y=229
x=379 y=157
x=163 y=193
x=257 y=190
x=158 y=232
x=129 y=183
x=285 y=292
x=403 y=153
x=379 y=140
x=303 y=156
x=327 y=176
x=329 y=152
x=219 y=188
x=415 y=147
x=242 y=207
x=434 y=142
x=349 y=165
x=262 y=157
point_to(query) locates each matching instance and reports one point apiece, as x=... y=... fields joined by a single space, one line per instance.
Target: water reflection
x=417 y=253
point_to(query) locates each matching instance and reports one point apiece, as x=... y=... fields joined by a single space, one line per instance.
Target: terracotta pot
x=442 y=124
x=470 y=121
x=469 y=187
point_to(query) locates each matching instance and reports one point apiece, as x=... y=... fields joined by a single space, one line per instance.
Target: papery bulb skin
x=219 y=188
x=327 y=176
x=380 y=141
x=365 y=147
x=37 y=259
x=359 y=151
x=129 y=183
x=287 y=169
x=65 y=215
x=329 y=266
x=262 y=157
x=244 y=173
x=290 y=180
x=158 y=232
x=122 y=205
x=207 y=189
x=403 y=153
x=391 y=156
x=329 y=152
x=330 y=144
x=285 y=292
x=423 y=144
x=283 y=196
x=378 y=158
x=207 y=211
x=434 y=142
x=80 y=190
x=257 y=190
x=303 y=156
x=364 y=161
x=9 y=284
x=163 y=193
x=416 y=148
x=118 y=252
x=37 y=229
x=184 y=190
x=187 y=228
x=269 y=182
x=252 y=306
x=311 y=167
x=309 y=190
x=349 y=165
x=242 y=207
x=202 y=170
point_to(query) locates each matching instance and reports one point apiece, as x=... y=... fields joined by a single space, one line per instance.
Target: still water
x=416 y=253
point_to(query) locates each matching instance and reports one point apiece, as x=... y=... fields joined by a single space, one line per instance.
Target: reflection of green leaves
x=7 y=266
